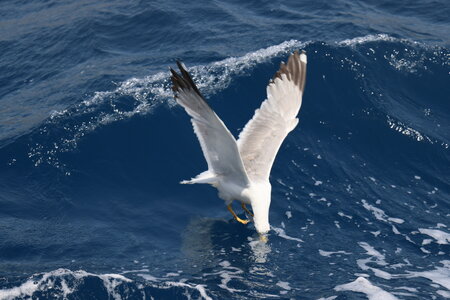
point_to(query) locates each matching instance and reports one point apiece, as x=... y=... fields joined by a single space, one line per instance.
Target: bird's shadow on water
x=208 y=243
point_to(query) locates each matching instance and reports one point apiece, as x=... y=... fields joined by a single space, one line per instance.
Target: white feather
x=261 y=138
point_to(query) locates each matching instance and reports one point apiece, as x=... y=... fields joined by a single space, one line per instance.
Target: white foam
x=45 y=281
x=411 y=132
x=444 y=294
x=260 y=250
x=329 y=253
x=380 y=258
x=134 y=271
x=367 y=39
x=409 y=65
x=199 y=287
x=227 y=274
x=403 y=129
x=376 y=233
x=344 y=215
x=288 y=214
x=406 y=288
x=167 y=284
x=426 y=242
x=440 y=275
x=381 y=273
x=64 y=282
x=395 y=230
x=375 y=257
x=362 y=285
x=441 y=237
x=149 y=277
x=380 y=214
x=284 y=285
x=281 y=233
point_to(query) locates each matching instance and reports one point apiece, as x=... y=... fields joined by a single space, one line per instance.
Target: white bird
x=240 y=169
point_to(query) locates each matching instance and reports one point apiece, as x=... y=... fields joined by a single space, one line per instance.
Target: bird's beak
x=263 y=238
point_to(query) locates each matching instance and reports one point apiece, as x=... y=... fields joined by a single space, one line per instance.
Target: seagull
x=240 y=169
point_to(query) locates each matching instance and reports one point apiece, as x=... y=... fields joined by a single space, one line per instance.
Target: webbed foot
x=236 y=217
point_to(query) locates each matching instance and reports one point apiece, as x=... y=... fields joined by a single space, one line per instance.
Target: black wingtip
x=177 y=81
x=181 y=66
x=294 y=69
x=173 y=71
x=183 y=80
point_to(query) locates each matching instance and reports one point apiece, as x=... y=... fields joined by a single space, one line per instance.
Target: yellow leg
x=236 y=217
x=246 y=209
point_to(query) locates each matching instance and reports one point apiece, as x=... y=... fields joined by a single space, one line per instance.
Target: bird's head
x=260 y=206
x=261 y=218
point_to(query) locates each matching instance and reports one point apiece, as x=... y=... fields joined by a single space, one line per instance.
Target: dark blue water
x=92 y=147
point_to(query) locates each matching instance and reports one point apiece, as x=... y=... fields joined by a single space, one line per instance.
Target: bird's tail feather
x=204 y=177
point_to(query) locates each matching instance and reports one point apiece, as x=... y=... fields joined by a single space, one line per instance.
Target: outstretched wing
x=218 y=144
x=261 y=138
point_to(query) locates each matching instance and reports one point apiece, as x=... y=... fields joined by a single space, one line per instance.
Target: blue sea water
x=92 y=147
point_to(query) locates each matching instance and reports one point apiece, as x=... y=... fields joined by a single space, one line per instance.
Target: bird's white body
x=240 y=169
x=256 y=194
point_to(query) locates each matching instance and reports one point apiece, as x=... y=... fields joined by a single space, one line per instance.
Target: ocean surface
x=93 y=146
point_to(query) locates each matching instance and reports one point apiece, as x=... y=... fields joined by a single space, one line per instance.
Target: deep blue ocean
x=93 y=146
